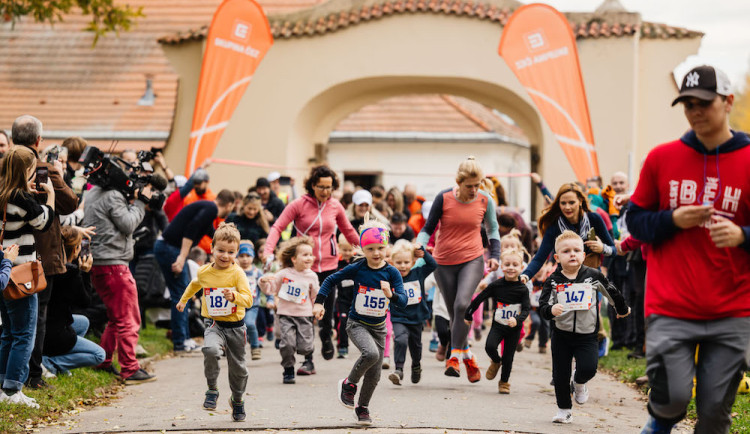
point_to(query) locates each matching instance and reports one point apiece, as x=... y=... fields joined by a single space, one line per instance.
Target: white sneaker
x=563 y=416
x=580 y=393
x=387 y=363
x=21 y=399
x=46 y=373
x=191 y=345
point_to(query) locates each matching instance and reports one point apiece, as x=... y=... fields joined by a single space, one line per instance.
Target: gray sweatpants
x=295 y=335
x=457 y=284
x=233 y=341
x=371 y=343
x=722 y=357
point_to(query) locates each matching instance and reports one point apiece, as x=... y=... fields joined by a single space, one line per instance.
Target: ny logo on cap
x=692 y=79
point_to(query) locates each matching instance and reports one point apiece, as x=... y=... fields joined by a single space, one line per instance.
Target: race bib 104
x=293 y=292
x=575 y=296
x=413 y=292
x=216 y=304
x=370 y=302
x=504 y=312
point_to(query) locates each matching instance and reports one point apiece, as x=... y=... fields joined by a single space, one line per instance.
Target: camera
x=106 y=171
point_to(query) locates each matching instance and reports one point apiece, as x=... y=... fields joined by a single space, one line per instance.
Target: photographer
x=27 y=131
x=115 y=219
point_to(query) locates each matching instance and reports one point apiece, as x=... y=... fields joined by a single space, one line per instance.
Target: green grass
x=70 y=394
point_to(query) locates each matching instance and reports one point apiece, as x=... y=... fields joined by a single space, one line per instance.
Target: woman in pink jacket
x=317 y=215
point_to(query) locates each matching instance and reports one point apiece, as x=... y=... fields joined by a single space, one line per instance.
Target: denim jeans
x=165 y=256
x=83 y=353
x=17 y=341
x=251 y=316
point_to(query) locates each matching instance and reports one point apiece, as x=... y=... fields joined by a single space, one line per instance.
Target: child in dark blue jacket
x=408 y=321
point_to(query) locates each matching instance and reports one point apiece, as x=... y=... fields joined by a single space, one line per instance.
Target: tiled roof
x=309 y=23
x=56 y=74
x=429 y=113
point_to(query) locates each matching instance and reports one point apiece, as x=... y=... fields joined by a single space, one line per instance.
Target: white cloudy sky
x=726 y=43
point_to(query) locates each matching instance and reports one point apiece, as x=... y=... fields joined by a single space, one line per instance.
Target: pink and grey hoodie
x=318 y=221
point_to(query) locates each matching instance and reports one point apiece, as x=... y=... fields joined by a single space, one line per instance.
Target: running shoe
x=563 y=416
x=542 y=350
x=472 y=370
x=343 y=352
x=503 y=387
x=363 y=416
x=580 y=393
x=452 y=368
x=238 y=410
x=209 y=403
x=434 y=345
x=386 y=363
x=20 y=399
x=492 y=370
x=347 y=391
x=288 y=375
x=307 y=368
x=255 y=353
x=416 y=374
x=519 y=348
x=527 y=343
x=653 y=426
x=327 y=346
x=396 y=377
x=440 y=354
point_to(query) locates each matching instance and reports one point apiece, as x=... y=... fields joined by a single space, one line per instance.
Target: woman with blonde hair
x=22 y=214
x=395 y=200
x=250 y=220
x=459 y=253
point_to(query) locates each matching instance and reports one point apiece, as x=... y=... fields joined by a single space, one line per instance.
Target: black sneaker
x=289 y=375
x=111 y=369
x=140 y=376
x=327 y=350
x=363 y=416
x=307 y=368
x=210 y=402
x=38 y=383
x=346 y=393
x=396 y=377
x=238 y=410
x=416 y=374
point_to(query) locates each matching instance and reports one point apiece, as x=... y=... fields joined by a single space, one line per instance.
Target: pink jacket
x=300 y=279
x=318 y=221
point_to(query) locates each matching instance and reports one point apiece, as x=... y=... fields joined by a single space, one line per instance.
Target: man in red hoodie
x=692 y=204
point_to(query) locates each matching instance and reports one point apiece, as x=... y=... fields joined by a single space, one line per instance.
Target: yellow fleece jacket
x=209 y=278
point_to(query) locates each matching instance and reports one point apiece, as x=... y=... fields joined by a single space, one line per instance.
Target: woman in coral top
x=459 y=252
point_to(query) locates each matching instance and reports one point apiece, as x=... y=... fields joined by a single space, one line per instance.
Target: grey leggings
x=371 y=342
x=457 y=284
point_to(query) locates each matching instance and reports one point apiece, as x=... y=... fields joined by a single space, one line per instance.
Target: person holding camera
x=115 y=219
x=22 y=214
x=27 y=132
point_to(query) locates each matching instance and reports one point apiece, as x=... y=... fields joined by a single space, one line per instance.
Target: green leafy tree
x=739 y=118
x=105 y=15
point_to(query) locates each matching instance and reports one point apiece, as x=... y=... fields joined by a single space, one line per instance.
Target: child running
x=511 y=300
x=569 y=300
x=408 y=322
x=225 y=289
x=245 y=259
x=296 y=285
x=378 y=285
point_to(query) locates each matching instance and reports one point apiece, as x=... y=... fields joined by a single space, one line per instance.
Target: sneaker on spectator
x=140 y=376
x=141 y=352
x=111 y=369
x=363 y=416
x=20 y=399
x=37 y=383
x=346 y=393
x=190 y=345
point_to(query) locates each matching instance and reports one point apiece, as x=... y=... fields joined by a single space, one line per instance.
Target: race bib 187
x=370 y=301
x=575 y=296
x=216 y=304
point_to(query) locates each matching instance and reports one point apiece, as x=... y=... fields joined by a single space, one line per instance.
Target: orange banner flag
x=238 y=38
x=539 y=46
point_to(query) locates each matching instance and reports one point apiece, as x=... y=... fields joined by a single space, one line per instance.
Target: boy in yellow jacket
x=226 y=294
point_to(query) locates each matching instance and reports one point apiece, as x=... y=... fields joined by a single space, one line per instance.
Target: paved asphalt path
x=438 y=404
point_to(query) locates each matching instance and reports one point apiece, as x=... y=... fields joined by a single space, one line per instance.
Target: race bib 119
x=216 y=304
x=293 y=292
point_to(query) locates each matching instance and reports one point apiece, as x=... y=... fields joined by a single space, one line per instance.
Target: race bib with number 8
x=292 y=292
x=371 y=302
x=216 y=304
x=575 y=296
x=413 y=292
x=504 y=312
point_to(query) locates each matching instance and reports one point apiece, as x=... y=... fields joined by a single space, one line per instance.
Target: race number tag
x=293 y=292
x=413 y=292
x=575 y=296
x=371 y=301
x=504 y=312
x=535 y=296
x=216 y=304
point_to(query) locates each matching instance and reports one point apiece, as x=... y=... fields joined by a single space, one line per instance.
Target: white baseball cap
x=273 y=176
x=362 y=196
